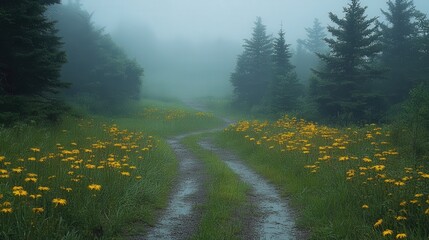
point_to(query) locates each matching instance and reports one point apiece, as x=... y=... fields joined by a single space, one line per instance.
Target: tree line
x=361 y=71
x=52 y=56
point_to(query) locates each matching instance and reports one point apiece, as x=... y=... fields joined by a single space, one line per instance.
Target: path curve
x=180 y=219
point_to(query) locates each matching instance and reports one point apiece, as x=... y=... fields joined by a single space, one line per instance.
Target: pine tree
x=345 y=82
x=306 y=58
x=30 y=62
x=399 y=49
x=423 y=49
x=253 y=71
x=285 y=88
x=315 y=38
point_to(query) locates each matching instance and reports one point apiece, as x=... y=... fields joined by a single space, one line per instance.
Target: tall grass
x=85 y=178
x=94 y=177
x=347 y=183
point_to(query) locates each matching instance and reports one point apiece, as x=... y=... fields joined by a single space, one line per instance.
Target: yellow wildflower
x=32 y=179
x=6 y=210
x=35 y=196
x=41 y=188
x=378 y=223
x=35 y=149
x=387 y=232
x=59 y=201
x=125 y=174
x=20 y=192
x=401 y=235
x=95 y=187
x=399 y=218
x=38 y=210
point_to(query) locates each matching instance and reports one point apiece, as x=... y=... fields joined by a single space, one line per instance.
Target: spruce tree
x=423 y=49
x=345 y=82
x=285 y=88
x=253 y=71
x=306 y=58
x=315 y=38
x=399 y=49
x=30 y=62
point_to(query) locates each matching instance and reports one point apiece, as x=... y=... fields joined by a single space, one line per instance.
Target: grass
x=225 y=208
x=89 y=178
x=347 y=183
x=169 y=119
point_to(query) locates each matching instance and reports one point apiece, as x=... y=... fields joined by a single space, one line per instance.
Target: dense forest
x=72 y=63
x=357 y=74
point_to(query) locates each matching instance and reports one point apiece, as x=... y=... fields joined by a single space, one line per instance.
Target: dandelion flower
x=20 y=193
x=41 y=188
x=38 y=210
x=378 y=223
x=59 y=201
x=35 y=196
x=387 y=232
x=17 y=170
x=95 y=187
x=365 y=206
x=6 y=210
x=125 y=174
x=401 y=235
x=399 y=218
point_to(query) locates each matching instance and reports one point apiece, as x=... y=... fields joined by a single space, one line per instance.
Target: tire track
x=181 y=217
x=276 y=219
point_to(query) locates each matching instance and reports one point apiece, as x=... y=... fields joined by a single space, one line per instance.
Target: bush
x=412 y=124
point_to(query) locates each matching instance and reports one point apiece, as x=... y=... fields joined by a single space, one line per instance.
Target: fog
x=188 y=48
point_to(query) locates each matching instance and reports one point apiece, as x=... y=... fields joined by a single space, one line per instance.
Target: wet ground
x=180 y=218
x=271 y=217
x=275 y=219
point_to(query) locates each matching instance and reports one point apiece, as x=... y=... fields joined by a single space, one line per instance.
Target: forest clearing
x=53 y=181
x=283 y=120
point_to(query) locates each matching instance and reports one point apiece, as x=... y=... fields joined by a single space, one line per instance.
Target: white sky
x=196 y=20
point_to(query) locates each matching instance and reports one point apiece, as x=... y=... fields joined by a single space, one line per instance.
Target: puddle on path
x=276 y=220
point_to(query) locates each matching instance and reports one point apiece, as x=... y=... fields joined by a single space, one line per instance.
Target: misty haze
x=227 y=119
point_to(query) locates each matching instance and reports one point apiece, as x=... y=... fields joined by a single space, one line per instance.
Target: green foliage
x=345 y=82
x=253 y=71
x=412 y=124
x=30 y=62
x=103 y=78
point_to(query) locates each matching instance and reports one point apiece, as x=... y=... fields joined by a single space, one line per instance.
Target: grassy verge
x=169 y=118
x=91 y=177
x=347 y=183
x=82 y=179
x=226 y=198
